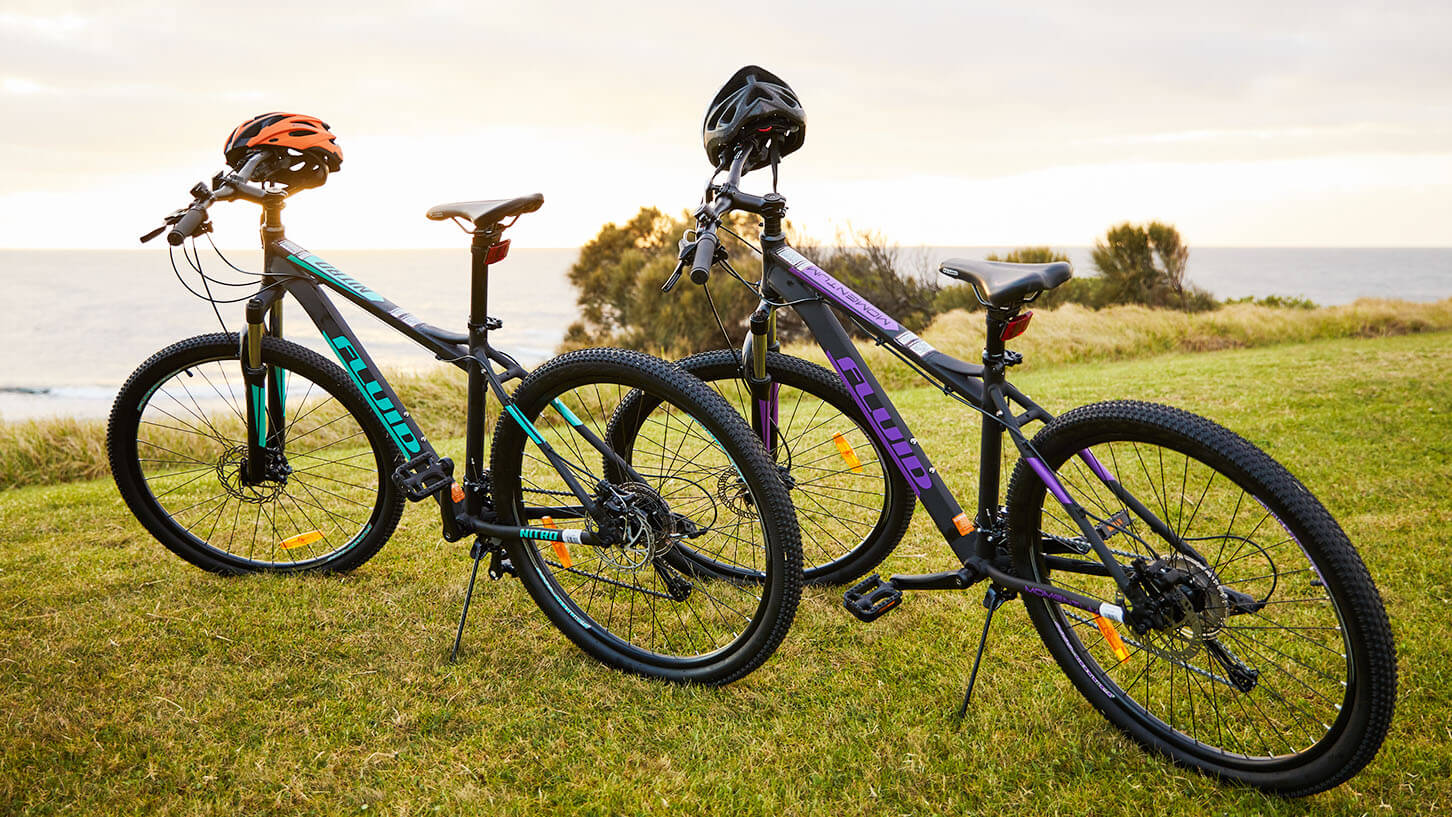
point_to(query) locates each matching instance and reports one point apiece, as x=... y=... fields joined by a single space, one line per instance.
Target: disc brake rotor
x=732 y=491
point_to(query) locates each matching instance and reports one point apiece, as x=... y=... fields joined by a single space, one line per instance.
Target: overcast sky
x=1244 y=123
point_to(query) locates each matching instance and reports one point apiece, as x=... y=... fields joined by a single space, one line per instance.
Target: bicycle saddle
x=1002 y=284
x=487 y=213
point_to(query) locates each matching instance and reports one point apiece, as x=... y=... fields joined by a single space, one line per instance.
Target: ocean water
x=80 y=321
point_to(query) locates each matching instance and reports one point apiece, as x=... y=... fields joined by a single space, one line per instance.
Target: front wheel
x=1272 y=662
x=177 y=441
x=701 y=484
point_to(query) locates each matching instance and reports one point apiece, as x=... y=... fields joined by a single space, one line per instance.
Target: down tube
x=887 y=424
x=361 y=369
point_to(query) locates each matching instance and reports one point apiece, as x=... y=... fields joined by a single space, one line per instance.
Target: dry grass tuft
x=1075 y=334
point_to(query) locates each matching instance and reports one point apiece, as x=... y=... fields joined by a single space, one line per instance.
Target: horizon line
x=1192 y=247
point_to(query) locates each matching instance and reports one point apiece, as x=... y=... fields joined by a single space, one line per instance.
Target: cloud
x=967 y=91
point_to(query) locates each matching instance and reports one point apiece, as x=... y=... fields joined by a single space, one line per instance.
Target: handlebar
x=186 y=226
x=706 y=244
x=192 y=219
x=705 y=250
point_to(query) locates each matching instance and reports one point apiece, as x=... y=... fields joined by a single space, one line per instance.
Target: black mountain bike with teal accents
x=1193 y=590
x=247 y=452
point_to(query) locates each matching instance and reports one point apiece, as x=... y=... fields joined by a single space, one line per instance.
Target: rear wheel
x=1275 y=666
x=702 y=485
x=177 y=443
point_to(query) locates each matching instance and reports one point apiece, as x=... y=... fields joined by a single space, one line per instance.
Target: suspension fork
x=265 y=385
x=763 y=390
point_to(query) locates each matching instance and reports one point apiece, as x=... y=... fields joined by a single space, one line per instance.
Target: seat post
x=990 y=452
x=478 y=388
x=479 y=287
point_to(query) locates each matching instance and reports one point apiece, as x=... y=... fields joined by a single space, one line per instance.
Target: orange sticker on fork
x=845 y=449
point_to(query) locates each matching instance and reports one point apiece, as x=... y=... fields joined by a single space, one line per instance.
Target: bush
x=1275 y=301
x=620 y=272
x=1146 y=265
x=619 y=275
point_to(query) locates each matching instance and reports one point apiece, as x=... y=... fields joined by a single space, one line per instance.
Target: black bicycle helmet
x=754 y=105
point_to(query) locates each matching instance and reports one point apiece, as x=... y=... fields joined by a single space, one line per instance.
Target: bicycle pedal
x=423 y=476
x=870 y=598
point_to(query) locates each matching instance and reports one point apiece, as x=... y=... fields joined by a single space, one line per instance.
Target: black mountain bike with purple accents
x=245 y=452
x=1192 y=589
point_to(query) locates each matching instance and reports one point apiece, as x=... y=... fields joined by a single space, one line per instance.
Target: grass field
x=131 y=682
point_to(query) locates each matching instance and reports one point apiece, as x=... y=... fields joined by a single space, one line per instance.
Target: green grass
x=132 y=683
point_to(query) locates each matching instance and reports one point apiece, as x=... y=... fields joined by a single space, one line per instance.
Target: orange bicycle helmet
x=302 y=147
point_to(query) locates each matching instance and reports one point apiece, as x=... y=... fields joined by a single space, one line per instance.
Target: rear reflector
x=562 y=551
x=1016 y=326
x=1111 y=636
x=497 y=252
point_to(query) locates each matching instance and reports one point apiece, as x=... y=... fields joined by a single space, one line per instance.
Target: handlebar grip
x=706 y=244
x=186 y=225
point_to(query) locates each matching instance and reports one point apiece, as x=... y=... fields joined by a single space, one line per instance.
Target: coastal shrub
x=1145 y=264
x=619 y=274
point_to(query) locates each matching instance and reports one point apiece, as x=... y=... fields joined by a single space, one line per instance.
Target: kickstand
x=992 y=600
x=477 y=552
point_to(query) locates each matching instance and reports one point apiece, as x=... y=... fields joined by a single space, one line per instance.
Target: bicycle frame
x=292 y=270
x=789 y=279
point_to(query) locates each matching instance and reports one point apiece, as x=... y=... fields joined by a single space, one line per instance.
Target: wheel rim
x=191 y=444
x=624 y=594
x=1180 y=681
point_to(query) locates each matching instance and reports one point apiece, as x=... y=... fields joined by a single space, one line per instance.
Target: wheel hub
x=232 y=473
x=641 y=525
x=1189 y=605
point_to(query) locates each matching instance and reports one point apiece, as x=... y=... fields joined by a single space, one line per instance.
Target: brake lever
x=667 y=287
x=166 y=222
x=688 y=250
